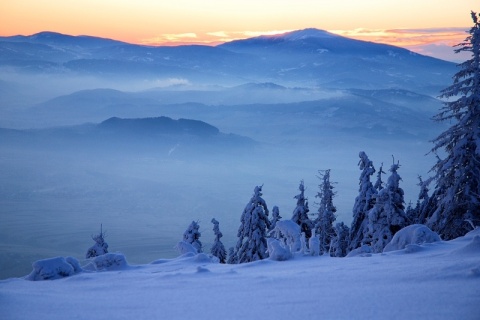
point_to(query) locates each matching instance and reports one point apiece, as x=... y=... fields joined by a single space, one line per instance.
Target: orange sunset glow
x=411 y=24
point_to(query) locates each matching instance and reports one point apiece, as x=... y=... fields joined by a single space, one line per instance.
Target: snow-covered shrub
x=275 y=217
x=184 y=247
x=192 y=236
x=205 y=258
x=277 y=250
x=289 y=232
x=413 y=234
x=108 y=261
x=303 y=240
x=314 y=244
x=54 y=268
x=100 y=247
x=363 y=251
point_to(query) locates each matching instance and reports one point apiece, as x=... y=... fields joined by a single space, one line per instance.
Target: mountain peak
x=308 y=33
x=47 y=35
x=60 y=39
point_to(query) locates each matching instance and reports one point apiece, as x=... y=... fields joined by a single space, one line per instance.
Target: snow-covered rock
x=54 y=268
x=412 y=234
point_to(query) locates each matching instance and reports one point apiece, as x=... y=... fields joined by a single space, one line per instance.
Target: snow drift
x=440 y=281
x=413 y=234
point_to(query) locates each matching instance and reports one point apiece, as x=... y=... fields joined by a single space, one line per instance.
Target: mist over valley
x=146 y=139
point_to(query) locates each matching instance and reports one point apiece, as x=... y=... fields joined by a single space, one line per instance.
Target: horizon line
x=435 y=42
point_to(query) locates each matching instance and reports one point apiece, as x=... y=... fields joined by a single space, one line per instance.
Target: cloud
x=407 y=37
x=207 y=38
x=441 y=51
x=264 y=33
x=227 y=36
x=170 y=38
x=435 y=42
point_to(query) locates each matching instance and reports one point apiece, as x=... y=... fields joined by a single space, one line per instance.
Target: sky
x=426 y=26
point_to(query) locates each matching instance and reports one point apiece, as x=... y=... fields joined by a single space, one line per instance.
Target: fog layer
x=275 y=112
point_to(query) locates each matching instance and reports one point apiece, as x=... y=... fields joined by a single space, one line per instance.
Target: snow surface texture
x=441 y=280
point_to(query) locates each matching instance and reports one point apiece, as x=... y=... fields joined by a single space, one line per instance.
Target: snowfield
x=439 y=280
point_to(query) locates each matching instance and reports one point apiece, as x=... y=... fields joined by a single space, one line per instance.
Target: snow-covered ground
x=439 y=280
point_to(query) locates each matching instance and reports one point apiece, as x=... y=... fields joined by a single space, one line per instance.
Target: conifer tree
x=275 y=217
x=421 y=209
x=100 y=247
x=300 y=214
x=457 y=176
x=326 y=212
x=252 y=233
x=218 y=249
x=363 y=203
x=411 y=212
x=192 y=235
x=232 y=258
x=339 y=245
x=388 y=215
x=379 y=183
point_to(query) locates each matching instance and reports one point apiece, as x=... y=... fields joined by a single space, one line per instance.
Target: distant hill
x=63 y=40
x=157 y=135
x=307 y=57
x=159 y=125
x=264 y=112
x=340 y=62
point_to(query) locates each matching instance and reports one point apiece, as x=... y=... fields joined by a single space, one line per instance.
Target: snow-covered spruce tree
x=421 y=209
x=388 y=215
x=326 y=212
x=275 y=217
x=379 y=182
x=218 y=249
x=100 y=247
x=339 y=245
x=300 y=214
x=252 y=233
x=457 y=176
x=411 y=212
x=192 y=236
x=363 y=203
x=232 y=258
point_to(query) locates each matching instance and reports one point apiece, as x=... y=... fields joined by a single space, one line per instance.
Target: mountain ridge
x=308 y=57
